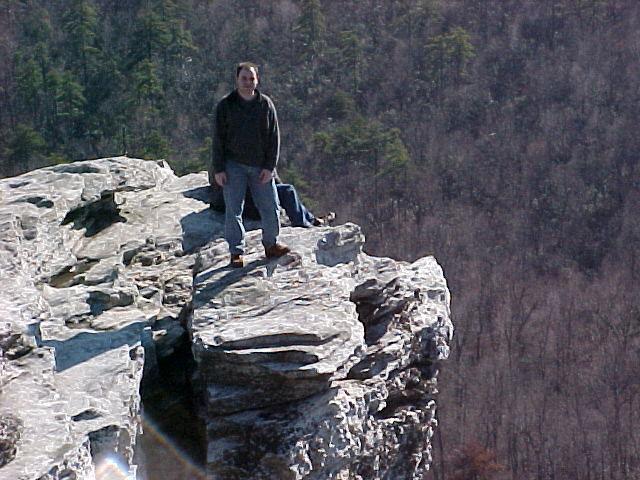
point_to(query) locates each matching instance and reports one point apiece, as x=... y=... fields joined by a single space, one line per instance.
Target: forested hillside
x=500 y=136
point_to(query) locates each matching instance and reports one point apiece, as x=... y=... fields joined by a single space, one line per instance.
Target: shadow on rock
x=200 y=228
x=204 y=194
x=86 y=345
x=232 y=276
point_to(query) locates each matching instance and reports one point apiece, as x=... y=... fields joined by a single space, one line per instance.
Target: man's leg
x=296 y=211
x=266 y=200
x=234 y=192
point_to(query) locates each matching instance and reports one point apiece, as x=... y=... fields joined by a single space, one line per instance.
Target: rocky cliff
x=318 y=365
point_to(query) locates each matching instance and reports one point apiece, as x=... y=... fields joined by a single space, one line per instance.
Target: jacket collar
x=235 y=96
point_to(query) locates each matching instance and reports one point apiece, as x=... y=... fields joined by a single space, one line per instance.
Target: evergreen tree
x=311 y=30
x=80 y=25
x=70 y=98
x=351 y=57
x=29 y=83
x=26 y=148
x=448 y=57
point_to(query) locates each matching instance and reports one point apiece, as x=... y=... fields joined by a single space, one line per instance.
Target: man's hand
x=221 y=178
x=265 y=175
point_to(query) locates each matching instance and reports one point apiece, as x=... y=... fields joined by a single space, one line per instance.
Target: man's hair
x=248 y=66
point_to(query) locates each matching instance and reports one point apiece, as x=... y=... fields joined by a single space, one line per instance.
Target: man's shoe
x=236 y=261
x=327 y=219
x=276 y=250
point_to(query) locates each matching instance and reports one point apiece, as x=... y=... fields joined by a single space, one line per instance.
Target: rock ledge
x=319 y=365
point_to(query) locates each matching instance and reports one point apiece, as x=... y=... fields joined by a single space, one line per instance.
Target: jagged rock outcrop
x=328 y=371
x=319 y=365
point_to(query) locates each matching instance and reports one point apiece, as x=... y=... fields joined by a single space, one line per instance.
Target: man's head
x=246 y=79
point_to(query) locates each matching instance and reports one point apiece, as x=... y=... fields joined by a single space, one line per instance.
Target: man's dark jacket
x=245 y=132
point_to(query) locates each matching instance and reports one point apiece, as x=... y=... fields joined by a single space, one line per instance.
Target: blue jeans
x=296 y=211
x=239 y=177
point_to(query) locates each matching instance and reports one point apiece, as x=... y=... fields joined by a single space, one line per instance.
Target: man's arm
x=265 y=175
x=221 y=178
x=272 y=149
x=218 y=136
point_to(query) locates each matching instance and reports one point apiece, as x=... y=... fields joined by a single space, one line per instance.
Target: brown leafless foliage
x=519 y=120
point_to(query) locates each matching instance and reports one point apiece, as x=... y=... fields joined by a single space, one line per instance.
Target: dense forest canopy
x=498 y=135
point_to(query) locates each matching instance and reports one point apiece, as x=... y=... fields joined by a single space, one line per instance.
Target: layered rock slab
x=96 y=260
x=321 y=364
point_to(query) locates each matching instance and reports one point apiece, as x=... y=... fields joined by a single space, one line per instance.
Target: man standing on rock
x=246 y=146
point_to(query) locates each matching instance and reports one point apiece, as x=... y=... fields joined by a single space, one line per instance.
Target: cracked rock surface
x=96 y=282
x=319 y=365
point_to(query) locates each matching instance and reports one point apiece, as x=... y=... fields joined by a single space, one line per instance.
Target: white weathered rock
x=93 y=266
x=318 y=365
x=64 y=413
x=275 y=331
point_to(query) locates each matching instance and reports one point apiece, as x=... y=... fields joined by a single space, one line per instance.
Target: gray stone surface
x=96 y=275
x=319 y=365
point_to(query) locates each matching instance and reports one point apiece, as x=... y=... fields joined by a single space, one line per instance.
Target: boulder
x=95 y=285
x=322 y=364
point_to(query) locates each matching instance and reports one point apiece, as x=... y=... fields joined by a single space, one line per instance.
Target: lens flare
x=113 y=468
x=163 y=458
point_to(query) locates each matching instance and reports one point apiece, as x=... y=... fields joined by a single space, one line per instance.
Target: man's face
x=247 y=81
